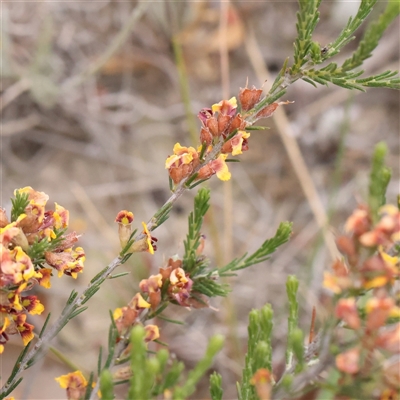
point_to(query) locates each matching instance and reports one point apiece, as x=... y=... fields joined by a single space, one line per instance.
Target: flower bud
x=124 y=219
x=248 y=98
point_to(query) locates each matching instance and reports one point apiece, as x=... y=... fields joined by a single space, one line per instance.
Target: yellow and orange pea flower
x=124 y=219
x=75 y=384
x=182 y=163
x=148 y=243
x=126 y=317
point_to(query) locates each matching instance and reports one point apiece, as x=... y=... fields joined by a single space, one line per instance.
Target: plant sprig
x=307 y=19
x=379 y=179
x=192 y=242
x=346 y=35
x=372 y=36
x=262 y=254
x=19 y=203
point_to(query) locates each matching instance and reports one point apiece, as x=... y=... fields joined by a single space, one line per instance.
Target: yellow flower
x=75 y=383
x=229 y=105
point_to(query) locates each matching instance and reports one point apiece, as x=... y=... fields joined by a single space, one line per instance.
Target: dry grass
x=90 y=112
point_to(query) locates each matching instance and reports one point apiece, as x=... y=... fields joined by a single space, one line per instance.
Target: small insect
x=324 y=50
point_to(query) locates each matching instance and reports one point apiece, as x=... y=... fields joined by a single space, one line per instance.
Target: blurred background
x=93 y=97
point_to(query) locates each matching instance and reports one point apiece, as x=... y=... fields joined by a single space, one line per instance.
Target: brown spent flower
x=248 y=98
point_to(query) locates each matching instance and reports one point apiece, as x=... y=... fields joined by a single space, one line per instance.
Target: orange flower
x=237 y=144
x=389 y=338
x=45 y=279
x=217 y=167
x=359 y=222
x=138 y=302
x=16 y=266
x=378 y=271
x=75 y=383
x=35 y=210
x=225 y=107
x=378 y=311
x=32 y=304
x=346 y=309
x=148 y=243
x=24 y=329
x=348 y=361
x=12 y=233
x=61 y=217
x=68 y=262
x=151 y=333
x=262 y=380
x=180 y=287
x=125 y=317
x=152 y=286
x=182 y=163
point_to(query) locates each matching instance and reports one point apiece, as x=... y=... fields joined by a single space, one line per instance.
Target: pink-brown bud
x=349 y=361
x=249 y=97
x=237 y=123
x=212 y=125
x=346 y=310
x=270 y=109
x=224 y=122
x=267 y=111
x=205 y=136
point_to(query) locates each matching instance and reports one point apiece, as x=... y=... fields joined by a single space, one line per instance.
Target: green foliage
x=307 y=19
x=308 y=54
x=262 y=254
x=19 y=203
x=216 y=391
x=170 y=374
x=192 y=242
x=292 y=285
x=152 y=374
x=372 y=36
x=144 y=369
x=210 y=287
x=259 y=351
x=39 y=247
x=296 y=344
x=332 y=74
x=189 y=386
x=162 y=215
x=346 y=35
x=379 y=179
x=107 y=385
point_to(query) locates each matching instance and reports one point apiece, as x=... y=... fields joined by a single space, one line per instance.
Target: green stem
x=184 y=87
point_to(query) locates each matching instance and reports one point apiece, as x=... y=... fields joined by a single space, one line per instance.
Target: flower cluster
x=128 y=316
x=366 y=300
x=223 y=132
x=175 y=284
x=35 y=237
